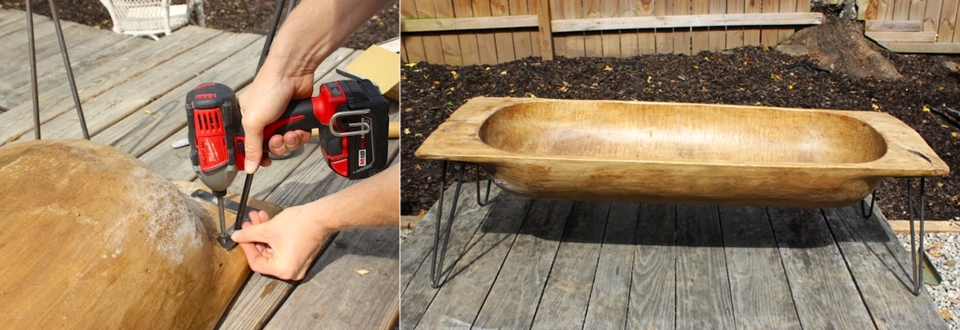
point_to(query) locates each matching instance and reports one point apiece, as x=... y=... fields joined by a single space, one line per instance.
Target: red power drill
x=351 y=116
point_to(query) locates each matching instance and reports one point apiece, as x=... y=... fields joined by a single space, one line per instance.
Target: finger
x=304 y=137
x=251 y=251
x=253 y=145
x=277 y=145
x=250 y=234
x=264 y=216
x=256 y=219
x=291 y=140
x=261 y=264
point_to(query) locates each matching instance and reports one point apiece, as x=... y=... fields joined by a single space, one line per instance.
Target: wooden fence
x=464 y=32
x=913 y=26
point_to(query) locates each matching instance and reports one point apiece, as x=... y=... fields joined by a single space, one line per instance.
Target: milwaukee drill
x=351 y=116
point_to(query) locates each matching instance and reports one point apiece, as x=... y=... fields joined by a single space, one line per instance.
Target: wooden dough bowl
x=92 y=238
x=681 y=153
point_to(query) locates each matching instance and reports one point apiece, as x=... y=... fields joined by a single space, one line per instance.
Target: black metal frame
x=439 y=252
x=31 y=41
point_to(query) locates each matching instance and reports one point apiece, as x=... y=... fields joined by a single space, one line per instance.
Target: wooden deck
x=520 y=263
x=133 y=97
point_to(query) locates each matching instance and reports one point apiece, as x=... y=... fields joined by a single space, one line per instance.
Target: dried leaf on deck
x=946 y=315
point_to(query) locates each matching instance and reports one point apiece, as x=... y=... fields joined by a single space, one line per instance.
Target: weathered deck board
x=80 y=44
x=875 y=258
x=15 y=49
x=319 y=302
x=56 y=98
x=418 y=248
x=169 y=162
x=262 y=296
x=703 y=288
x=417 y=252
x=565 y=297
x=459 y=300
x=110 y=107
x=512 y=302
x=301 y=180
x=155 y=121
x=693 y=266
x=761 y=298
x=13 y=21
x=819 y=279
x=50 y=72
x=654 y=281
x=318 y=299
x=609 y=301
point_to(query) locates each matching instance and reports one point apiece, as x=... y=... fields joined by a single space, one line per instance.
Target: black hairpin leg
x=486 y=198
x=440 y=250
x=435 y=269
x=66 y=65
x=873 y=201
x=32 y=49
x=916 y=253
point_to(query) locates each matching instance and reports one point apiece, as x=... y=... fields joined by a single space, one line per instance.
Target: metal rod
x=238 y=224
x=486 y=198
x=916 y=253
x=873 y=201
x=291 y=4
x=35 y=93
x=248 y=180
x=274 y=24
x=68 y=68
x=920 y=251
x=913 y=239
x=436 y=269
x=436 y=232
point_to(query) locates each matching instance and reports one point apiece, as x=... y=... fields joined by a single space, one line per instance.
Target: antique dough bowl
x=681 y=153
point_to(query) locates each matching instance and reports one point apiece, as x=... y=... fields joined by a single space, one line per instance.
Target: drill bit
x=224 y=238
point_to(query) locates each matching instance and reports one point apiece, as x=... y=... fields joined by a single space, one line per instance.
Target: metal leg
x=486 y=199
x=32 y=49
x=68 y=68
x=873 y=201
x=916 y=253
x=440 y=251
x=274 y=23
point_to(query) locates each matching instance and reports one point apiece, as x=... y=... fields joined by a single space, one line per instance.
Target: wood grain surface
x=96 y=239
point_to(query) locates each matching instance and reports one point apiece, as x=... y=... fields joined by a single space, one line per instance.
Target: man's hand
x=286 y=246
x=262 y=103
x=283 y=247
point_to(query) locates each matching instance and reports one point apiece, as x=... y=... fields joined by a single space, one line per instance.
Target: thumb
x=250 y=234
x=253 y=145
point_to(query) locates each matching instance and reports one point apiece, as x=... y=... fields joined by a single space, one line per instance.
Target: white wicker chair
x=151 y=17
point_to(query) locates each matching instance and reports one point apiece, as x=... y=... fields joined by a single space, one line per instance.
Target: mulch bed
x=744 y=76
x=241 y=16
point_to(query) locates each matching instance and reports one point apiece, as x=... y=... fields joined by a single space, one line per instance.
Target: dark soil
x=745 y=76
x=241 y=16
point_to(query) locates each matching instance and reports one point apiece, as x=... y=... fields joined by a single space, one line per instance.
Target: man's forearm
x=374 y=201
x=313 y=30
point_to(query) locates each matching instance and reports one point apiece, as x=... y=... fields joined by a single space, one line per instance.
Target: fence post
x=545 y=29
